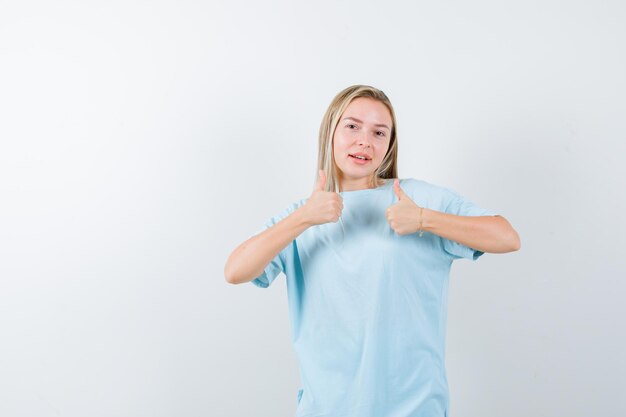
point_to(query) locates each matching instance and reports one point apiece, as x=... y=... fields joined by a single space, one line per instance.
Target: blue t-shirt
x=368 y=307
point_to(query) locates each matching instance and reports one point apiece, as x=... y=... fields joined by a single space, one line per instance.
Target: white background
x=141 y=142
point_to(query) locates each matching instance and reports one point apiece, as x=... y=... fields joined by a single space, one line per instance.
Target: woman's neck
x=372 y=183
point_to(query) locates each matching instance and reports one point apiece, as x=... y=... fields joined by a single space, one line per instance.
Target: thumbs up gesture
x=322 y=206
x=403 y=216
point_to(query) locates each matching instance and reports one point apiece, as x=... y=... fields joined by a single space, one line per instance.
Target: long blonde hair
x=387 y=168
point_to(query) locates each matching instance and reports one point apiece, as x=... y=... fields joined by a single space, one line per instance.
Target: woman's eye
x=379 y=133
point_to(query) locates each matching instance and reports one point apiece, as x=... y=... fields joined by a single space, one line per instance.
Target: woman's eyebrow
x=360 y=121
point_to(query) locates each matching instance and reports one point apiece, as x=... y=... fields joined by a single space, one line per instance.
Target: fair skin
x=365 y=126
x=363 y=133
x=490 y=234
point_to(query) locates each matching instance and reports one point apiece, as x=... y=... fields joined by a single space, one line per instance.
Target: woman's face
x=364 y=127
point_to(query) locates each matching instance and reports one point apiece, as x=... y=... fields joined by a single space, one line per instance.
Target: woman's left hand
x=403 y=216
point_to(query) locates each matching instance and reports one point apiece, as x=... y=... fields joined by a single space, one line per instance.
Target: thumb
x=319 y=185
x=399 y=191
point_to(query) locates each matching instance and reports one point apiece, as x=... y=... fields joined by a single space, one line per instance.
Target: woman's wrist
x=420 y=225
x=425 y=219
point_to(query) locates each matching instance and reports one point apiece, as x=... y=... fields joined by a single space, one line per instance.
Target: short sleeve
x=282 y=259
x=461 y=206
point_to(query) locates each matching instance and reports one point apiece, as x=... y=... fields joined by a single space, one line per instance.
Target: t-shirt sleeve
x=280 y=261
x=461 y=206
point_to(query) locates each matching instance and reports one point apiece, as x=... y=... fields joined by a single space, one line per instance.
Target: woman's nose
x=363 y=140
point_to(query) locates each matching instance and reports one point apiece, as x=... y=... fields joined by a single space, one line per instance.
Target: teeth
x=360 y=157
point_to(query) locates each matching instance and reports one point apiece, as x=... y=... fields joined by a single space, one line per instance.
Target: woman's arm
x=493 y=234
x=250 y=258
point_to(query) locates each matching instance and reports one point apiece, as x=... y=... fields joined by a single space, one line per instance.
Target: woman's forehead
x=367 y=110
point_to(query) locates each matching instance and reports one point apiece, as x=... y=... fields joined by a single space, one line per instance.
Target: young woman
x=367 y=258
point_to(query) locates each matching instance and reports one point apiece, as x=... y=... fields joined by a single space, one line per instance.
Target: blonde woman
x=367 y=258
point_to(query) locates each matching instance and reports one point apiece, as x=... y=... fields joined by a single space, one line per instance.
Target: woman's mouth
x=359 y=160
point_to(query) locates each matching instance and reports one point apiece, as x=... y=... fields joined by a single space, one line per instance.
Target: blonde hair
x=325 y=161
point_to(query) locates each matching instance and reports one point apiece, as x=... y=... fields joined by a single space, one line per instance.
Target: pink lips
x=359 y=161
x=361 y=154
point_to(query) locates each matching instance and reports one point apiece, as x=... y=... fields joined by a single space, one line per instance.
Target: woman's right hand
x=322 y=206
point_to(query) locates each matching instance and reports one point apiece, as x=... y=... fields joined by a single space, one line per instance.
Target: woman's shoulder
x=436 y=195
x=419 y=184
